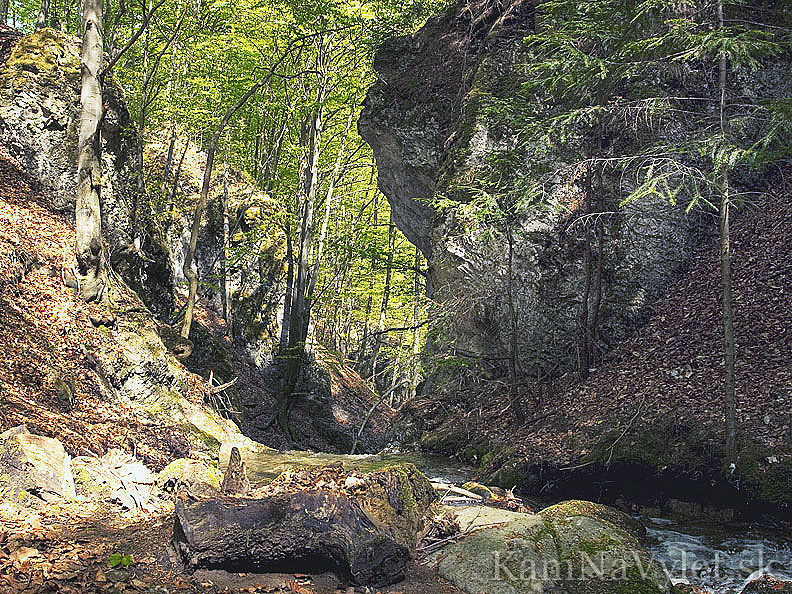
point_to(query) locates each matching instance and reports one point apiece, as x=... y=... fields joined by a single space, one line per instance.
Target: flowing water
x=718 y=560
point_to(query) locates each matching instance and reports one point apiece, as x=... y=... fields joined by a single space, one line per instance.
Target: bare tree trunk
x=227 y=296
x=416 y=350
x=584 y=340
x=299 y=314
x=514 y=341
x=168 y=159
x=4 y=11
x=289 y=296
x=729 y=348
x=385 y=297
x=41 y=22
x=88 y=245
x=141 y=181
x=177 y=174
x=370 y=300
x=328 y=203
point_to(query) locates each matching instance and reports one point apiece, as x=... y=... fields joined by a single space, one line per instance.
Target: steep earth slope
x=648 y=424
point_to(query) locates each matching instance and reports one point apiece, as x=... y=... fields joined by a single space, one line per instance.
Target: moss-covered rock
x=568 y=509
x=39 y=123
x=397 y=497
x=196 y=476
x=562 y=554
x=140 y=372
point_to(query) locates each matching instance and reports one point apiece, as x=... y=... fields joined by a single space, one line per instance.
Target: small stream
x=718 y=560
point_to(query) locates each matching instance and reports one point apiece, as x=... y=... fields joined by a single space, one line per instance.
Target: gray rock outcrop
x=507 y=269
x=34 y=465
x=39 y=119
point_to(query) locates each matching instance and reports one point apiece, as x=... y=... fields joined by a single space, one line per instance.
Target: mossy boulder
x=575 y=507
x=140 y=372
x=529 y=553
x=397 y=497
x=198 y=477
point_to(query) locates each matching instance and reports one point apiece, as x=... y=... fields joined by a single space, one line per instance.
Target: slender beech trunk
x=176 y=175
x=88 y=245
x=43 y=14
x=64 y=26
x=584 y=319
x=141 y=180
x=270 y=168
x=227 y=297
x=729 y=347
x=4 y=11
x=385 y=297
x=299 y=314
x=370 y=300
x=514 y=338
x=328 y=204
x=168 y=159
x=289 y=295
x=416 y=333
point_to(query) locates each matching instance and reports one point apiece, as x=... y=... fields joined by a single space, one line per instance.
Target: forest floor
x=657 y=397
x=68 y=548
x=71 y=549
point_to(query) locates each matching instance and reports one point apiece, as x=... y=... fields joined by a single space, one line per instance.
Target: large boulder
x=577 y=507
x=139 y=371
x=196 y=479
x=365 y=531
x=34 y=465
x=116 y=477
x=506 y=552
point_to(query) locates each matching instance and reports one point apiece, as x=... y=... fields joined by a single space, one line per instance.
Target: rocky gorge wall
x=512 y=279
x=39 y=122
x=500 y=281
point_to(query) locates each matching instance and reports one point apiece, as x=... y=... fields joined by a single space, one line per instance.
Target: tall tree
x=88 y=247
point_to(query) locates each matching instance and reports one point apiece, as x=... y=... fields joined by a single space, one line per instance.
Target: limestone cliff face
x=516 y=281
x=39 y=122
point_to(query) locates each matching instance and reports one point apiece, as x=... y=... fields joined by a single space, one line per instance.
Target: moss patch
x=589 y=509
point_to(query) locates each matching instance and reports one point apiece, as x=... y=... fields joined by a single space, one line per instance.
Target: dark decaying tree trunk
x=287 y=533
x=368 y=535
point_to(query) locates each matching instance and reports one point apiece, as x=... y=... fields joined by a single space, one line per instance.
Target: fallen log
x=367 y=538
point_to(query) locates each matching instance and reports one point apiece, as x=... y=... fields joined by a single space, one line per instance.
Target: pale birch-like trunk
x=88 y=246
x=729 y=347
x=43 y=14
